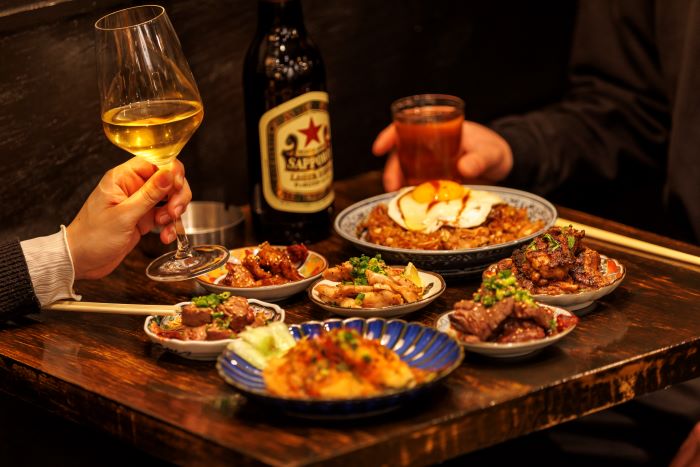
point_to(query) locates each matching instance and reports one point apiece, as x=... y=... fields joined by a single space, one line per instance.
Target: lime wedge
x=411 y=273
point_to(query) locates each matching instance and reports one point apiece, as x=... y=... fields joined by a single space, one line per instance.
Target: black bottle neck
x=273 y=13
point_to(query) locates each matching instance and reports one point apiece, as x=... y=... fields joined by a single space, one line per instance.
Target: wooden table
x=102 y=371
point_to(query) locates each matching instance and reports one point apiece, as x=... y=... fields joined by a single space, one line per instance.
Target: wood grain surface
x=102 y=371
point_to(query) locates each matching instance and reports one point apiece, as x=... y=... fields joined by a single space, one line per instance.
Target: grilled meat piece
x=235 y=306
x=566 y=321
x=238 y=311
x=555 y=262
x=515 y=330
x=538 y=314
x=219 y=330
x=543 y=266
x=587 y=269
x=473 y=318
x=198 y=333
x=195 y=316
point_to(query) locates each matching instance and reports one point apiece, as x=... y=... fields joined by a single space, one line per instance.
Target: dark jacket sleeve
x=16 y=292
x=615 y=108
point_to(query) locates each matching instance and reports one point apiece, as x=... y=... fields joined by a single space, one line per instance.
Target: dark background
x=499 y=56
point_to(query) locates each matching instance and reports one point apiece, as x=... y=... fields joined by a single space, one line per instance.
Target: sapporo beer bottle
x=288 y=129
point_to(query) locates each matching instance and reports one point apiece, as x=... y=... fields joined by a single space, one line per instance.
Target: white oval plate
x=207 y=350
x=580 y=300
x=429 y=279
x=509 y=350
x=312 y=269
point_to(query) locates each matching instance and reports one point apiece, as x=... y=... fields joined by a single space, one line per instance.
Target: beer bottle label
x=295 y=147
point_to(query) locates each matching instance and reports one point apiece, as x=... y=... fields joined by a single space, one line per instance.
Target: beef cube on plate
x=195 y=316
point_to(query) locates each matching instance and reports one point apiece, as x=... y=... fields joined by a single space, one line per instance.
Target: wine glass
x=150 y=107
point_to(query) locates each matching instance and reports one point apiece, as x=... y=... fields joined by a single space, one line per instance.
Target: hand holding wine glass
x=120 y=210
x=151 y=107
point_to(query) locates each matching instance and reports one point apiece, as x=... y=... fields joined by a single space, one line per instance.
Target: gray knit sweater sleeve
x=16 y=292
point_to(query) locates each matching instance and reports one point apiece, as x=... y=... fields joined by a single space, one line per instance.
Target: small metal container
x=206 y=223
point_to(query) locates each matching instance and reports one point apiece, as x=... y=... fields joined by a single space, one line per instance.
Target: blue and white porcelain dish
x=449 y=263
x=418 y=345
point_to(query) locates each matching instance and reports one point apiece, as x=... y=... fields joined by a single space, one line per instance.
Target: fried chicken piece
x=339 y=273
x=397 y=283
x=333 y=294
x=253 y=264
x=381 y=299
x=272 y=280
x=278 y=262
x=238 y=276
x=298 y=253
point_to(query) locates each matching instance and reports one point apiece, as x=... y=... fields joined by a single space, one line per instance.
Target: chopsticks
x=113 y=308
x=630 y=242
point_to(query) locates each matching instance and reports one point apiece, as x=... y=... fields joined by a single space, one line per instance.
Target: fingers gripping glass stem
x=183 y=243
x=154 y=114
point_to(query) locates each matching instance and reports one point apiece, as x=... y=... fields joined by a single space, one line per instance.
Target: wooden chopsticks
x=113 y=308
x=630 y=242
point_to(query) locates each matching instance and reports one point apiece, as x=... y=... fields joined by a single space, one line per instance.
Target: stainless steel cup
x=206 y=222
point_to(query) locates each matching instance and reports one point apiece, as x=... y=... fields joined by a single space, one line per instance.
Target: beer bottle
x=288 y=130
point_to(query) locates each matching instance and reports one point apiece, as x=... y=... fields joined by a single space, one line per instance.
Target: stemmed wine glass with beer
x=150 y=107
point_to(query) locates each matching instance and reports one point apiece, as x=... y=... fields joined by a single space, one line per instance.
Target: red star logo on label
x=311 y=132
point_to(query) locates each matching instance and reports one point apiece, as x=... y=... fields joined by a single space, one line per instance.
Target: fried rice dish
x=504 y=223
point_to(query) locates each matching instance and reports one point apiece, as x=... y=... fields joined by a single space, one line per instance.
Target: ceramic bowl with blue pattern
x=418 y=345
x=448 y=263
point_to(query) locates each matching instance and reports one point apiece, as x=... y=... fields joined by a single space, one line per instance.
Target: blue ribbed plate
x=418 y=345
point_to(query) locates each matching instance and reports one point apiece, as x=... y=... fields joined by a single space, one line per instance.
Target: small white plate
x=208 y=350
x=509 y=350
x=581 y=300
x=432 y=282
x=311 y=269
